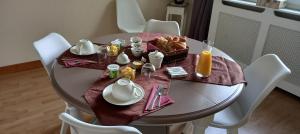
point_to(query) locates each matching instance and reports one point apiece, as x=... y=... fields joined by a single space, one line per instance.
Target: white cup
x=136 y=51
x=86 y=47
x=124 y=90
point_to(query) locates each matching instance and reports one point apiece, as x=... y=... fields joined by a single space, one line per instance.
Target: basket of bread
x=174 y=48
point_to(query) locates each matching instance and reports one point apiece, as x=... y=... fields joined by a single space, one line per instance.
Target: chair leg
x=232 y=131
x=64 y=128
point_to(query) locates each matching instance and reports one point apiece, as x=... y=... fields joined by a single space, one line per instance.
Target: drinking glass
x=204 y=65
x=102 y=53
x=147 y=69
x=112 y=50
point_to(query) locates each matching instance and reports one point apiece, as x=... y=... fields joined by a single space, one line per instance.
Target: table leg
x=201 y=124
x=198 y=126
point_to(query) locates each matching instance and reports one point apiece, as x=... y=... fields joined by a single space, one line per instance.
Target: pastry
x=170 y=44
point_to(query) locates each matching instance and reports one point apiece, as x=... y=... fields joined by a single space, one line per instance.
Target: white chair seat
x=228 y=117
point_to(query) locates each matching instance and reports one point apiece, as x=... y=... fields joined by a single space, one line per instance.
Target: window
x=291 y=4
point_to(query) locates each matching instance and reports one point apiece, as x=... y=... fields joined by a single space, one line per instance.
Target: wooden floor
x=29 y=105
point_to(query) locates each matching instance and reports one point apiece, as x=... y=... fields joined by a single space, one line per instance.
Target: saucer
x=107 y=95
x=75 y=50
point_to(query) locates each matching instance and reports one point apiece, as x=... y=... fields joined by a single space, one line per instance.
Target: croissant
x=179 y=45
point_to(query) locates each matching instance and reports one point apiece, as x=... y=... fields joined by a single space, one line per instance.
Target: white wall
x=24 y=21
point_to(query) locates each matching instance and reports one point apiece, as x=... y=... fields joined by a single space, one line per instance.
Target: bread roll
x=182 y=39
x=176 y=39
x=180 y=45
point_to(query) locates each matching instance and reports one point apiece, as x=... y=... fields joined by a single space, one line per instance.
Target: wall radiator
x=248 y=33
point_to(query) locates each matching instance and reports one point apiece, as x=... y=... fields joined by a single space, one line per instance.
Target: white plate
x=110 y=99
x=75 y=50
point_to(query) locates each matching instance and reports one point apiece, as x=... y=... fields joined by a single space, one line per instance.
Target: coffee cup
x=124 y=90
x=86 y=47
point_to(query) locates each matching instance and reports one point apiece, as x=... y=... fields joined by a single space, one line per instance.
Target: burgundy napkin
x=74 y=62
x=164 y=100
x=101 y=65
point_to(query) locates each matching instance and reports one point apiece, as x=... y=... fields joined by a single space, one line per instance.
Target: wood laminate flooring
x=29 y=105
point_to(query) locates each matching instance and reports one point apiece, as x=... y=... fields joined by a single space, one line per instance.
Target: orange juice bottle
x=204 y=65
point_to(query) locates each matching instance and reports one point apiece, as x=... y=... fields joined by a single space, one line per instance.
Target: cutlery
x=152 y=101
x=158 y=91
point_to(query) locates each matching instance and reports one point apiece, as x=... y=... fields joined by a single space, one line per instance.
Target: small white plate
x=75 y=50
x=107 y=95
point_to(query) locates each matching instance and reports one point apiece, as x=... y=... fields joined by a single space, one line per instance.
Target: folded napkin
x=74 y=62
x=164 y=101
x=67 y=59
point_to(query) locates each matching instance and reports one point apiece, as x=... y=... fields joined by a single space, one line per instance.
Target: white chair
x=130 y=18
x=157 y=26
x=80 y=127
x=262 y=77
x=48 y=49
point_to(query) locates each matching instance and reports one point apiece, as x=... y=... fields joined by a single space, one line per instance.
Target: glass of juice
x=204 y=65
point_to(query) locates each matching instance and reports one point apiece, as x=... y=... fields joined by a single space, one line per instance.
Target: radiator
x=246 y=34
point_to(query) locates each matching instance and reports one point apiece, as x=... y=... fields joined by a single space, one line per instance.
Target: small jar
x=113 y=70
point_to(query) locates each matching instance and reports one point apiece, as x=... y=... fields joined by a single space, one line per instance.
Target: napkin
x=164 y=101
x=74 y=62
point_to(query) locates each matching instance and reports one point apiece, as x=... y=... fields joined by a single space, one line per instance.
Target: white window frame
x=291 y=4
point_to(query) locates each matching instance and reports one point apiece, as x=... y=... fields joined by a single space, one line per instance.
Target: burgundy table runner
x=224 y=72
x=109 y=114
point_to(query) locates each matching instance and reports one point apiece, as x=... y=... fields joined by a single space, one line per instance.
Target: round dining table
x=193 y=100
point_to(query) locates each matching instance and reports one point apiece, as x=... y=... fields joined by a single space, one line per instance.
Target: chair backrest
x=157 y=26
x=129 y=15
x=80 y=127
x=262 y=76
x=49 y=48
